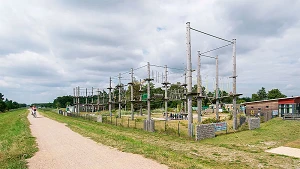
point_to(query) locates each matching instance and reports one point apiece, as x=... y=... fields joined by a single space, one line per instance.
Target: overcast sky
x=47 y=47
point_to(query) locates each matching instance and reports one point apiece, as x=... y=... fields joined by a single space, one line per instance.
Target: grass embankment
x=237 y=150
x=16 y=141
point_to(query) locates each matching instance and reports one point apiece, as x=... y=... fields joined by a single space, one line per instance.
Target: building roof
x=260 y=101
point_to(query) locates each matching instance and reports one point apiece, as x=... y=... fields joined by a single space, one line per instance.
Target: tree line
x=6 y=105
x=157 y=102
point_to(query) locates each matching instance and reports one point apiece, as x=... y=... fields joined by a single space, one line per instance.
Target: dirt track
x=60 y=147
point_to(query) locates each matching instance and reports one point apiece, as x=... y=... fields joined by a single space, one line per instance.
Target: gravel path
x=60 y=147
x=288 y=151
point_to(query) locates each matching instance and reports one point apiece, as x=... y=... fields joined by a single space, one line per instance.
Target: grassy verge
x=236 y=150
x=16 y=141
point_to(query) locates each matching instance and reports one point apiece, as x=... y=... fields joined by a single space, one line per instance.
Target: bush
x=225 y=111
x=210 y=120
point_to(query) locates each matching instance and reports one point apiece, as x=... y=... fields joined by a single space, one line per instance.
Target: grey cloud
x=82 y=43
x=257 y=18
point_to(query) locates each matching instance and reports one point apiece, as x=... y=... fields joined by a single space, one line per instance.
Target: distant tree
x=2 y=106
x=2 y=103
x=274 y=94
x=243 y=100
x=9 y=104
x=58 y=105
x=1 y=97
x=63 y=101
x=247 y=99
x=255 y=97
x=262 y=94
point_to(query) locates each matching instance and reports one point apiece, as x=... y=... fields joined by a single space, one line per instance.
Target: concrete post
x=98 y=100
x=86 y=100
x=189 y=80
x=92 y=99
x=74 y=100
x=148 y=93
x=234 y=86
x=78 y=100
x=131 y=95
x=217 y=88
x=166 y=91
x=109 y=97
x=119 y=95
x=199 y=89
x=185 y=92
x=103 y=97
x=141 y=103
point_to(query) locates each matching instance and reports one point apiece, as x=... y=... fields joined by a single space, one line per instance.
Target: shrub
x=210 y=120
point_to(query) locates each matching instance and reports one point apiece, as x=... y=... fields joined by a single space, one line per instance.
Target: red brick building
x=274 y=107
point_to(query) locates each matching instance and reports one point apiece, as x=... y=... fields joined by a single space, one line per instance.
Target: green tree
x=58 y=105
x=274 y=94
x=2 y=103
x=255 y=97
x=64 y=100
x=9 y=104
x=262 y=94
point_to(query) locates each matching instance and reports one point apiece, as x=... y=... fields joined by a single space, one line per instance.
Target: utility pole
x=86 y=100
x=141 y=102
x=98 y=100
x=103 y=97
x=217 y=88
x=185 y=93
x=166 y=92
x=78 y=100
x=92 y=99
x=74 y=99
x=234 y=85
x=148 y=93
x=199 y=89
x=189 y=80
x=131 y=95
x=119 y=95
x=109 y=97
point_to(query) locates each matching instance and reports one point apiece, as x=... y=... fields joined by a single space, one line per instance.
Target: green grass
x=236 y=150
x=16 y=141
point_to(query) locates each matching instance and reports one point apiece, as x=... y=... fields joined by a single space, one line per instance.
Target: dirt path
x=60 y=147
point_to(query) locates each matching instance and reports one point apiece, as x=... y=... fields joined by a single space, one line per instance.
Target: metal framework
x=189 y=76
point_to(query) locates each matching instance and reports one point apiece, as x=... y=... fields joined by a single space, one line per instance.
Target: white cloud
x=48 y=47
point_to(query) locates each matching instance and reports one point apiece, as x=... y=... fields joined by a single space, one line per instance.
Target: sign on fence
x=220 y=126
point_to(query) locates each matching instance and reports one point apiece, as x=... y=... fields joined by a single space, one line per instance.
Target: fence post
x=134 y=123
x=116 y=121
x=110 y=119
x=128 y=122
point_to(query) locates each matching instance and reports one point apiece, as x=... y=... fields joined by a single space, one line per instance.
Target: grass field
x=171 y=127
x=237 y=150
x=16 y=142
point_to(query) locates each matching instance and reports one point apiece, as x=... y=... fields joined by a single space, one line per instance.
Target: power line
x=211 y=35
x=216 y=49
x=140 y=67
x=168 y=67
